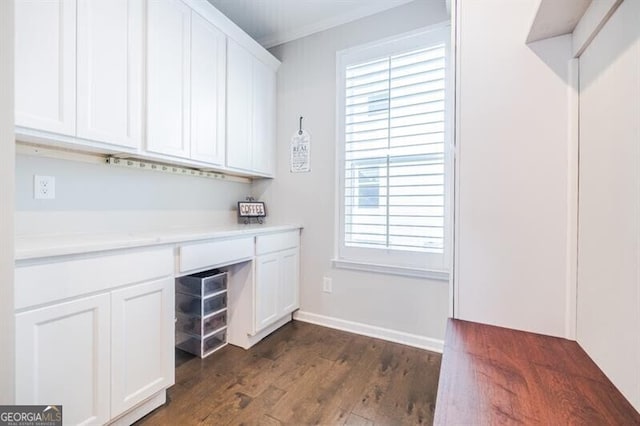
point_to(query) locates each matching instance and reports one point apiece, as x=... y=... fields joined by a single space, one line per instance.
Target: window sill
x=391 y=270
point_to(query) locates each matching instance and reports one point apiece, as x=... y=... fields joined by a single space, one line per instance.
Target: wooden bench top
x=494 y=375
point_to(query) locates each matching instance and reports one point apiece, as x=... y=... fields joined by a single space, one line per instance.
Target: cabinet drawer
x=197 y=326
x=203 y=347
x=213 y=343
x=215 y=253
x=202 y=284
x=194 y=305
x=48 y=282
x=276 y=242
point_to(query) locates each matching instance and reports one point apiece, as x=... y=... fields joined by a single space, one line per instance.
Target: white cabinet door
x=251 y=105
x=264 y=119
x=276 y=286
x=168 y=77
x=110 y=59
x=239 y=107
x=62 y=357
x=45 y=65
x=289 y=281
x=267 y=283
x=142 y=330
x=208 y=59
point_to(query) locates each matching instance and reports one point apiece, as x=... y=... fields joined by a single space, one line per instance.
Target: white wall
x=307 y=87
x=513 y=165
x=6 y=202
x=102 y=198
x=609 y=232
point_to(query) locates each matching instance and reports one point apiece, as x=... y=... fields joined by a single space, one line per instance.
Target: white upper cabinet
x=264 y=119
x=154 y=79
x=168 y=77
x=250 y=112
x=110 y=60
x=208 y=58
x=78 y=68
x=239 y=111
x=45 y=65
x=186 y=84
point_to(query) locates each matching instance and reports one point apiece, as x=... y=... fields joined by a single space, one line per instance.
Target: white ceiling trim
x=316 y=27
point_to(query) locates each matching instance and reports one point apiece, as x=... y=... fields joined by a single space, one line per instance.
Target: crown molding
x=316 y=27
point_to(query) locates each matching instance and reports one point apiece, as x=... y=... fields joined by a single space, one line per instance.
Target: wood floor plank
x=338 y=392
x=494 y=375
x=302 y=374
x=414 y=387
x=402 y=390
x=300 y=402
x=257 y=411
x=355 y=420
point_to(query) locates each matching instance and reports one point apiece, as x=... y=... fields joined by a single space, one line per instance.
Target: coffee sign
x=251 y=209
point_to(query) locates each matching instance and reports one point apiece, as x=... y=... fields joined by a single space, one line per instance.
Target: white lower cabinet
x=263 y=280
x=99 y=355
x=276 y=286
x=289 y=299
x=142 y=330
x=267 y=289
x=95 y=332
x=276 y=278
x=63 y=357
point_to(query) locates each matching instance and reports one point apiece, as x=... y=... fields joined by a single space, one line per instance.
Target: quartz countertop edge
x=29 y=247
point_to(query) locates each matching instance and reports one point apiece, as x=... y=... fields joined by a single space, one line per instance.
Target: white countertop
x=39 y=246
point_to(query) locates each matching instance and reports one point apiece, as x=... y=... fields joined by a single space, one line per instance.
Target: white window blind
x=394 y=151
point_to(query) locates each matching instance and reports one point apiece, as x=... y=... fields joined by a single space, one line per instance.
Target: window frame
x=393 y=261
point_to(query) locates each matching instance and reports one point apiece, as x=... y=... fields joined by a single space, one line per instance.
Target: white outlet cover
x=44 y=187
x=327 y=284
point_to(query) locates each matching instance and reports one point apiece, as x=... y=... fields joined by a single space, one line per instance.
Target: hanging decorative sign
x=300 y=151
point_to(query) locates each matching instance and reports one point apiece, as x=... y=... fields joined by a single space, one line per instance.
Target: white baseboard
x=408 y=339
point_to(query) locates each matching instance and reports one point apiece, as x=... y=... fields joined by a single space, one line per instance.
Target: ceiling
x=273 y=22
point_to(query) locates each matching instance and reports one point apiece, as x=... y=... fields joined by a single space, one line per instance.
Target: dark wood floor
x=493 y=375
x=305 y=374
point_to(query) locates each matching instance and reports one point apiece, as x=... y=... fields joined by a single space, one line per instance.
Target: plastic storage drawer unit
x=201 y=312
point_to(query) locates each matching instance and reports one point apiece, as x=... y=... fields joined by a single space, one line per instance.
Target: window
x=368 y=187
x=393 y=137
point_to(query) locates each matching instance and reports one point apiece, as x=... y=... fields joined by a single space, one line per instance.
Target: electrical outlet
x=44 y=187
x=327 y=285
